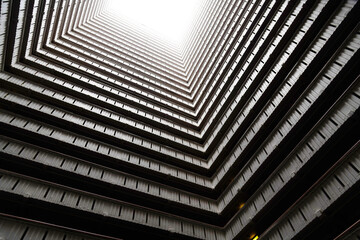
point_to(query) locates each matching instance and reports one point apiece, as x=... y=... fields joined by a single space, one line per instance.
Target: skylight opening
x=170 y=20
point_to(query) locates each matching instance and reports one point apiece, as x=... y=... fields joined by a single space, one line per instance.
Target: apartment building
x=247 y=130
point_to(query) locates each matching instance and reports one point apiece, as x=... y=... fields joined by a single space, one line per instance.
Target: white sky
x=170 y=19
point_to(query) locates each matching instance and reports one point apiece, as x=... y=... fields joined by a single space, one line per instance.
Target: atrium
x=192 y=119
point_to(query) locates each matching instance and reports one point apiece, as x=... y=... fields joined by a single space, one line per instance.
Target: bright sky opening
x=169 y=19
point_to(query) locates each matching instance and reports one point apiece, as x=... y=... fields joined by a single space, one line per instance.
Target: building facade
x=250 y=130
